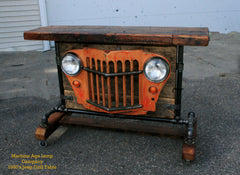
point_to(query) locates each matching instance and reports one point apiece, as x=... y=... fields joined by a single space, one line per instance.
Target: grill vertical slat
x=139 y=91
x=132 y=84
x=103 y=86
x=116 y=86
x=136 y=82
x=97 y=83
x=109 y=87
x=91 y=81
x=124 y=86
x=89 y=78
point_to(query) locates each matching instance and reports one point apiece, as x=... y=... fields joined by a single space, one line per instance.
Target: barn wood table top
x=122 y=35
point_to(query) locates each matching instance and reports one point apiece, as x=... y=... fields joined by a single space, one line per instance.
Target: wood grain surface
x=125 y=125
x=122 y=35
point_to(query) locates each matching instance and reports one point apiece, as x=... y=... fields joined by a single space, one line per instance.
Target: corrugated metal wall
x=17 y=16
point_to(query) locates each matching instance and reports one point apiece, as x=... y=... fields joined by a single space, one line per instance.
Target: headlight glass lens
x=71 y=64
x=156 y=69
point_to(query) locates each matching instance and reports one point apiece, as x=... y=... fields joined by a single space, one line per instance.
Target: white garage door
x=15 y=18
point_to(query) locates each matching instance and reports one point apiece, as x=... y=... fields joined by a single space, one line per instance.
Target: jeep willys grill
x=122 y=72
x=119 y=80
x=114 y=81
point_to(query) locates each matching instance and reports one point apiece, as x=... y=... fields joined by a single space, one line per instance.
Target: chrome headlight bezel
x=163 y=62
x=75 y=59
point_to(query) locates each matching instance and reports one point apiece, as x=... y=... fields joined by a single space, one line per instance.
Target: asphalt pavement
x=29 y=88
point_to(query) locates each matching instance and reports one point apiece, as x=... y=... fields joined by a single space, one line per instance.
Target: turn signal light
x=76 y=83
x=153 y=90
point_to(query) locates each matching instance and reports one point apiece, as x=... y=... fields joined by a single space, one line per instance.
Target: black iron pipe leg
x=44 y=120
x=190 y=138
x=179 y=77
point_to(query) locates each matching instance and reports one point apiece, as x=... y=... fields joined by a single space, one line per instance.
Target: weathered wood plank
x=161 y=108
x=122 y=35
x=72 y=104
x=43 y=133
x=136 y=127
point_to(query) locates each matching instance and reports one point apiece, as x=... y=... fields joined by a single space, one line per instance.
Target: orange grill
x=114 y=85
x=113 y=81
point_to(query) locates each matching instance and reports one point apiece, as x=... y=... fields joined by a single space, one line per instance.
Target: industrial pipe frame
x=189 y=122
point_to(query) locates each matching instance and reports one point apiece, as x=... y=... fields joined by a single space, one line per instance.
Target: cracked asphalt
x=29 y=88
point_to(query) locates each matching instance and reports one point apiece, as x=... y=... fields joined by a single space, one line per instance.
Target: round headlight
x=71 y=64
x=156 y=69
